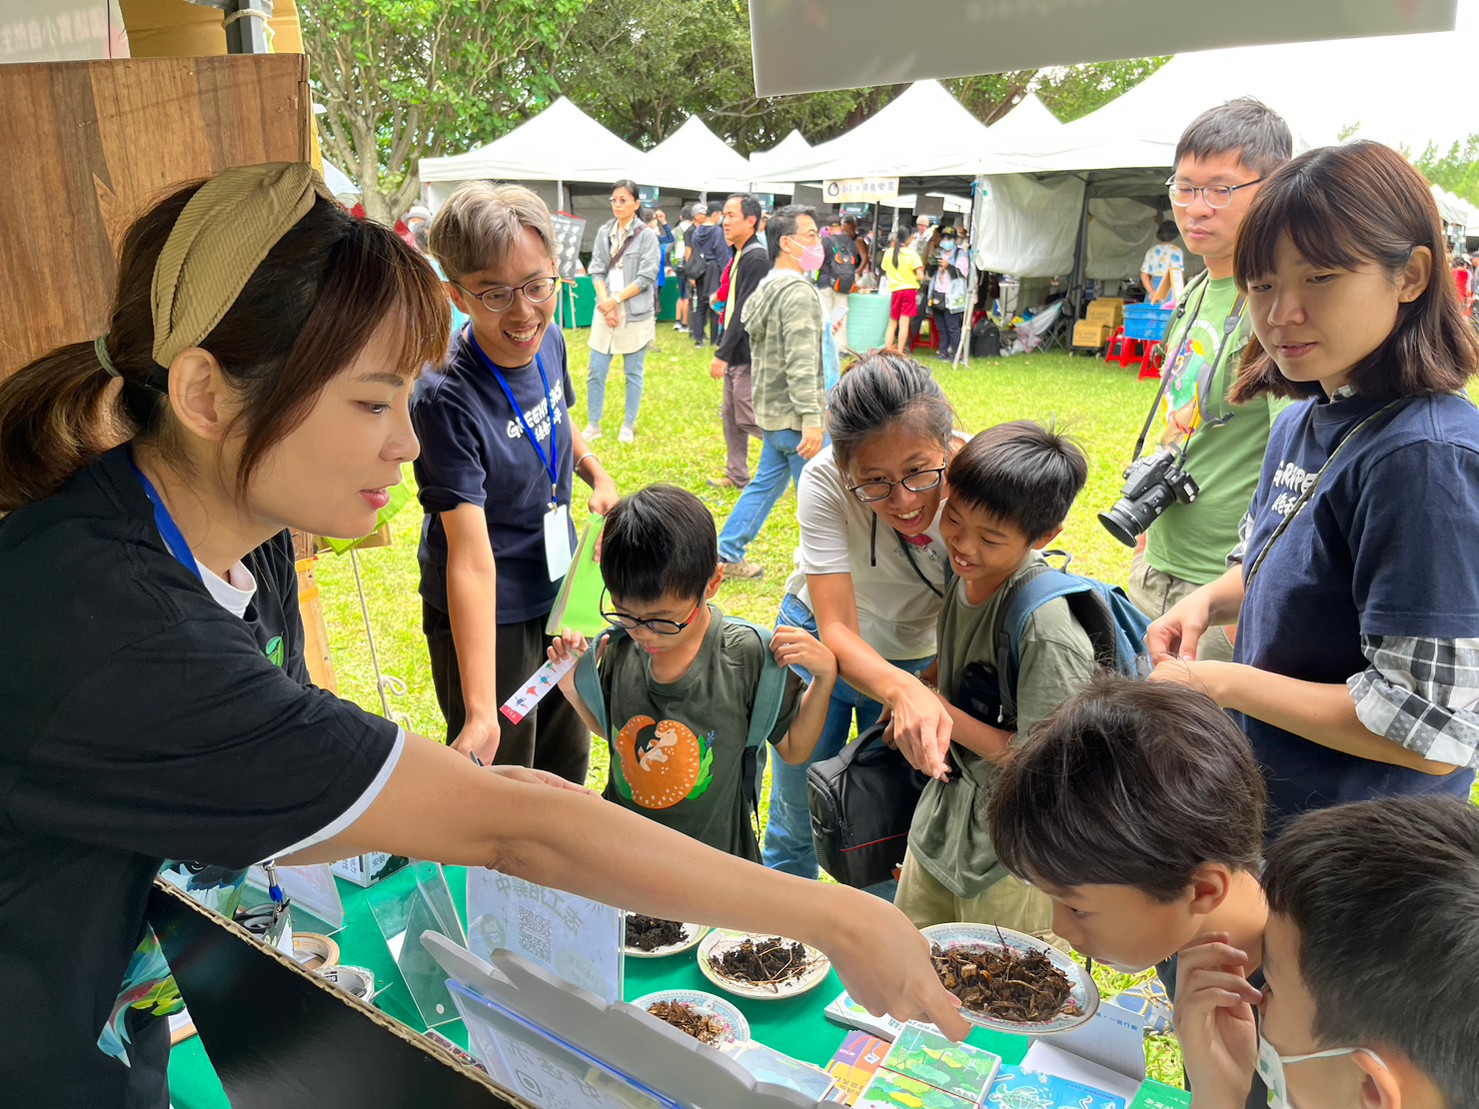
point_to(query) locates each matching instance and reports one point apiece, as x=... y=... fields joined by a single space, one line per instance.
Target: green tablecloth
x=585 y=302
x=794 y=1025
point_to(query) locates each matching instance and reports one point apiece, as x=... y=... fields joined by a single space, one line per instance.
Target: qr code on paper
x=536 y=935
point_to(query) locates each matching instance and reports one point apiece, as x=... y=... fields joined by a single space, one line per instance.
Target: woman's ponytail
x=63 y=410
x=56 y=415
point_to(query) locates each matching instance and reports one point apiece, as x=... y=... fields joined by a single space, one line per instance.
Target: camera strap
x=1309 y=489
x=1199 y=281
x=1209 y=375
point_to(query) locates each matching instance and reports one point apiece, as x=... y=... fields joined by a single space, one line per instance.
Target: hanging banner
x=860 y=190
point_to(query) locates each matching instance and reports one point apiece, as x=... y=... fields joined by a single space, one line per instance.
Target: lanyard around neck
x=552 y=461
x=169 y=531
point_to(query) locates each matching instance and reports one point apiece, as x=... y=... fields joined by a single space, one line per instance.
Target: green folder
x=578 y=605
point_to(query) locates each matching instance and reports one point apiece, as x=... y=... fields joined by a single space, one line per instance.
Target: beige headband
x=220 y=239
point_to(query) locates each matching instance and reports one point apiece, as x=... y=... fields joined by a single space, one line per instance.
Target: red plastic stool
x=1150 y=364
x=1122 y=350
x=919 y=340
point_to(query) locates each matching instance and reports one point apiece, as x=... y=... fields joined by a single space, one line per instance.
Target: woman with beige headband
x=155 y=705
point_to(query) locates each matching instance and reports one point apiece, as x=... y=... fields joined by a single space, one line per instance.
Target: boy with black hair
x=1138 y=811
x=1010 y=490
x=683 y=694
x=1372 y=937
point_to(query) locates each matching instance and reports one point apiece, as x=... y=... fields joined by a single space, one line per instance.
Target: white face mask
x=1271 y=1068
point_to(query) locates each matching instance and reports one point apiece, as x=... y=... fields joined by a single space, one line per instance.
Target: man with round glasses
x=1221 y=159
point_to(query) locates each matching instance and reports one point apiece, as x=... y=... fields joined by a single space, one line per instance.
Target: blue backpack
x=770 y=691
x=1115 y=627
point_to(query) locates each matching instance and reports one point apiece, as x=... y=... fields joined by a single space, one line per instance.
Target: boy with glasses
x=1221 y=159
x=674 y=687
x=495 y=477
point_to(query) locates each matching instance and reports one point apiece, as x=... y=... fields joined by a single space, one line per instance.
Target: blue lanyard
x=552 y=463
x=169 y=531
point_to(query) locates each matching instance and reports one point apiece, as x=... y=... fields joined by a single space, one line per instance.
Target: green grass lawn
x=680 y=440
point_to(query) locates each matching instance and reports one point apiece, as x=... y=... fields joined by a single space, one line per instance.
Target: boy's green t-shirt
x=949 y=835
x=677 y=748
x=1192 y=541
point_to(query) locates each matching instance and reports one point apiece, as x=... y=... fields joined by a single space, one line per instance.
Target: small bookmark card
x=540 y=683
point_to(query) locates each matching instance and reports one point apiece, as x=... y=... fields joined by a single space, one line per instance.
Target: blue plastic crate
x=1147 y=322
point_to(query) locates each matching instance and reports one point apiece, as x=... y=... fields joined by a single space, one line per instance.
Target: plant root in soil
x=1004 y=984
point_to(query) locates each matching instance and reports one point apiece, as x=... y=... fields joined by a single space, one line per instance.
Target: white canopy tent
x=924 y=132
x=791 y=148
x=547 y=152
x=695 y=158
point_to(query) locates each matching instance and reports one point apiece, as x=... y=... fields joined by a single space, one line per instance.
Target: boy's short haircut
x=658 y=542
x=1246 y=127
x=1385 y=897
x=481 y=223
x=1022 y=473
x=1130 y=783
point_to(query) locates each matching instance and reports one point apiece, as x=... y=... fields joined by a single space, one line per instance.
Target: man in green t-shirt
x=1222 y=157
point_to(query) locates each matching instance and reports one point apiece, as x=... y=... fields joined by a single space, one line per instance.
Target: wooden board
x=102 y=140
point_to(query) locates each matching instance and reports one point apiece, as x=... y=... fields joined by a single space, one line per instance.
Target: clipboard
x=578 y=604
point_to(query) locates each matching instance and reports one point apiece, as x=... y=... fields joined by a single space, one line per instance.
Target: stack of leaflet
x=926 y=1070
x=1018 y=1086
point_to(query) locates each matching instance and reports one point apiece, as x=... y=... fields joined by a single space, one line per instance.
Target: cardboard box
x=1087 y=333
x=1108 y=310
x=365 y=870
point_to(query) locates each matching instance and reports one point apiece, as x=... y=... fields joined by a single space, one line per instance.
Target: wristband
x=581 y=459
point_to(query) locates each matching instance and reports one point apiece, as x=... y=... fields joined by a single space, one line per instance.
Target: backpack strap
x=1039 y=585
x=588 y=680
x=770 y=691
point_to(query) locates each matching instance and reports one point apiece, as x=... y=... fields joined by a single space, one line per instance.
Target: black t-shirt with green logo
x=139 y=722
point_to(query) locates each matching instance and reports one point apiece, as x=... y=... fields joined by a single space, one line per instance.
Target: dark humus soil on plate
x=648 y=933
x=763 y=962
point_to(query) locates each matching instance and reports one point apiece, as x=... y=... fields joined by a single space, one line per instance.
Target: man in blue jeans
x=785 y=324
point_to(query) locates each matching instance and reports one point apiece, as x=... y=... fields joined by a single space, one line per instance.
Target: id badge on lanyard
x=558 y=553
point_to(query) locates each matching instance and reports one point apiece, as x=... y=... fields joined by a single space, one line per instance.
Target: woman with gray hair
x=626 y=306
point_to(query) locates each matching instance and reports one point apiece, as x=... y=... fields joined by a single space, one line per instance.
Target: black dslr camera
x=1152 y=485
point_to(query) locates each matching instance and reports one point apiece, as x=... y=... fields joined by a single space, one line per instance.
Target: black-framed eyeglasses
x=918 y=482
x=1216 y=196
x=501 y=297
x=622 y=199
x=657 y=627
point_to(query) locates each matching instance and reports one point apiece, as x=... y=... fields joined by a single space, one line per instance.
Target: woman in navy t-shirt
x=1356 y=671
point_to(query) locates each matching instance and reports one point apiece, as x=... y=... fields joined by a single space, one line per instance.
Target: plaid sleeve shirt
x=1423 y=694
x=1418 y=692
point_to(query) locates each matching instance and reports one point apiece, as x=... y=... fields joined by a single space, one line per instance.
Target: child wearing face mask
x=1368 y=958
x=787 y=328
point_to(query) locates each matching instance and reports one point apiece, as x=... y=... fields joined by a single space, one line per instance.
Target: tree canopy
x=405 y=79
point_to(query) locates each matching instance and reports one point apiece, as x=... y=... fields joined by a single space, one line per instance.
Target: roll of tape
x=359 y=981
x=315 y=952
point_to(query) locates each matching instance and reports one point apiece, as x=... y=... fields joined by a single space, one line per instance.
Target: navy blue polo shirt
x=1384 y=547
x=474 y=450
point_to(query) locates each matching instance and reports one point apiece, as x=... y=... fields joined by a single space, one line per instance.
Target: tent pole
x=972 y=281
x=1080 y=250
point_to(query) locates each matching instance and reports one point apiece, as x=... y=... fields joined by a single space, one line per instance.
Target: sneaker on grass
x=627 y=435
x=591 y=433
x=723 y=482
x=743 y=570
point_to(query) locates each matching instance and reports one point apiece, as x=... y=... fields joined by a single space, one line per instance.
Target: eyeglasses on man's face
x=918 y=482
x=1216 y=196
x=501 y=297
x=658 y=627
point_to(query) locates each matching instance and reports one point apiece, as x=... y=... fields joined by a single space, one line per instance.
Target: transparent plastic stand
x=402 y=919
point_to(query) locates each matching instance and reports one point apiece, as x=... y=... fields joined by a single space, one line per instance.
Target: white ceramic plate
x=692 y=933
x=1083 y=999
x=719 y=941
x=735 y=1026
